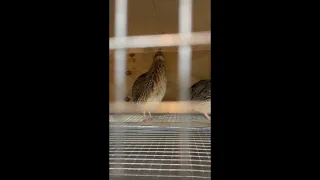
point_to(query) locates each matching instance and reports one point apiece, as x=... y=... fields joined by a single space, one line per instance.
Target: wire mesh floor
x=163 y=120
x=165 y=152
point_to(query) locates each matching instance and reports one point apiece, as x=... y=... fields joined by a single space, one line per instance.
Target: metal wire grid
x=155 y=153
x=161 y=120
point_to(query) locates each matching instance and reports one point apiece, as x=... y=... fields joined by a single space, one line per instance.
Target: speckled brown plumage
x=201 y=91
x=151 y=86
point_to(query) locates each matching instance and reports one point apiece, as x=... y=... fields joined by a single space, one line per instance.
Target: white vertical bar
x=184 y=69
x=185 y=16
x=121 y=18
x=120 y=65
x=185 y=28
x=120 y=54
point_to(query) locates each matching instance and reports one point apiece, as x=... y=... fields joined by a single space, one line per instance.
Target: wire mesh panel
x=156 y=153
x=161 y=120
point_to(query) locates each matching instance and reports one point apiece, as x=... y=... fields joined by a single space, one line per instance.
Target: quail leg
x=207 y=116
x=147 y=119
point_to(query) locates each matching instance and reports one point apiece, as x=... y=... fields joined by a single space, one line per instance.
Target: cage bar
x=184 y=69
x=163 y=40
x=120 y=65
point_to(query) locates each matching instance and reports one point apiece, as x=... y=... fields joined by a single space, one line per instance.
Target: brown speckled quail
x=201 y=91
x=151 y=86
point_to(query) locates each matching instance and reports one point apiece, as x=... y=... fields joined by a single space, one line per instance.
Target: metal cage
x=177 y=143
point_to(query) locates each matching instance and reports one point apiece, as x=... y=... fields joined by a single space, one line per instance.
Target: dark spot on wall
x=128 y=73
